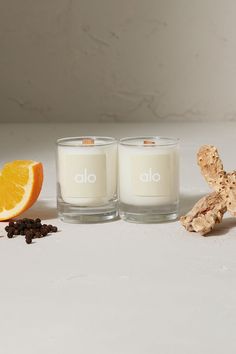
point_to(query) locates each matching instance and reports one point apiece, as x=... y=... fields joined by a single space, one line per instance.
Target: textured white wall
x=117 y=60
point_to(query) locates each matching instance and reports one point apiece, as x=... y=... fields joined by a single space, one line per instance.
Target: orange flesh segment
x=20 y=185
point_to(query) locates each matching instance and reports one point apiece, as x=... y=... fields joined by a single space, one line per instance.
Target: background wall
x=117 y=60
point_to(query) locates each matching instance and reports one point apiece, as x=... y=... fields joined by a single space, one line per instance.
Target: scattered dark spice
x=44 y=232
x=10 y=234
x=28 y=238
x=29 y=228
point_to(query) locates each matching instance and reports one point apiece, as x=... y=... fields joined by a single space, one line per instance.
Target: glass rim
x=68 y=141
x=167 y=141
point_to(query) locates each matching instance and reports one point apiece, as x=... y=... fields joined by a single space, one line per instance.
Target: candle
x=148 y=179
x=87 y=179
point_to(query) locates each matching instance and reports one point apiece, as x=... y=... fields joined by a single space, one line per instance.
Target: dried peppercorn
x=28 y=238
x=43 y=232
x=38 y=234
x=30 y=228
x=10 y=234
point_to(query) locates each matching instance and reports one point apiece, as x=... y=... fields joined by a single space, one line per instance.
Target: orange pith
x=20 y=185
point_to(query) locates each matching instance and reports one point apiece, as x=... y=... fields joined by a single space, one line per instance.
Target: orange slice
x=20 y=184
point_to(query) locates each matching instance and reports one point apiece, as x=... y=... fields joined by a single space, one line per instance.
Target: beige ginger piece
x=210 y=209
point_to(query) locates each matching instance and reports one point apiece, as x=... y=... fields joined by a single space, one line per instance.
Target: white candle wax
x=148 y=174
x=87 y=174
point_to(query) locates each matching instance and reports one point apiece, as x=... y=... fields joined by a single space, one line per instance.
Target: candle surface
x=87 y=172
x=148 y=174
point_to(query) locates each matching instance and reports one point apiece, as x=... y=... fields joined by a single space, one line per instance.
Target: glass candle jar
x=87 y=179
x=148 y=179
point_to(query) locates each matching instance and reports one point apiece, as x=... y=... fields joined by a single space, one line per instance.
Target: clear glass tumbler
x=148 y=179
x=87 y=179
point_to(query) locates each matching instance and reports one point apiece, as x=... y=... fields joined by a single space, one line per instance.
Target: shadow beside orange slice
x=20 y=184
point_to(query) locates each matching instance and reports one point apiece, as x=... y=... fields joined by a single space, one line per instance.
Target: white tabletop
x=119 y=288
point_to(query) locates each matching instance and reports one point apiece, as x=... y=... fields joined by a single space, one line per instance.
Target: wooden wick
x=88 y=141
x=149 y=142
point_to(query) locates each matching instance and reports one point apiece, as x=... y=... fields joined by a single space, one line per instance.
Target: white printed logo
x=149 y=176
x=85 y=177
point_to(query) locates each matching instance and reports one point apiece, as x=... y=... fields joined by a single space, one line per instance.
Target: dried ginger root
x=207 y=212
x=210 y=209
